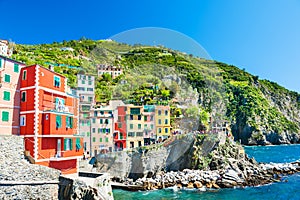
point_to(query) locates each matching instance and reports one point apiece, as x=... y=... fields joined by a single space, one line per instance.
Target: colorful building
x=9 y=96
x=49 y=119
x=114 y=71
x=149 y=124
x=102 y=129
x=120 y=134
x=162 y=122
x=6 y=48
x=86 y=93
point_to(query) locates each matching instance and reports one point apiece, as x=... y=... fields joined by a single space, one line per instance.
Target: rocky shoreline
x=216 y=179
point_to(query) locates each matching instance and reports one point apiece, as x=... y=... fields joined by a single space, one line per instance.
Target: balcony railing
x=47 y=106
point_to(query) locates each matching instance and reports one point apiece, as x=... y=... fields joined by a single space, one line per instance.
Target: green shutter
x=71 y=122
x=71 y=144
x=106 y=139
x=67 y=122
x=78 y=146
x=5 y=116
x=16 y=68
x=0 y=62
x=6 y=96
x=7 y=78
x=58 y=121
x=65 y=144
x=100 y=139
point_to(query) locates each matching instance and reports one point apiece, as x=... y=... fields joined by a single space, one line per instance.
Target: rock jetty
x=214 y=165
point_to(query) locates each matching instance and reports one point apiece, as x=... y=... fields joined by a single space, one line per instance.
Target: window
x=83 y=82
x=95 y=113
x=47 y=116
x=99 y=130
x=5 y=116
x=131 y=117
x=58 y=121
x=7 y=78
x=134 y=111
x=101 y=112
x=130 y=134
x=68 y=144
x=24 y=76
x=23 y=96
x=6 y=96
x=159 y=112
x=101 y=121
x=94 y=130
x=90 y=89
x=151 y=118
x=131 y=126
x=139 y=126
x=120 y=125
x=88 y=134
x=89 y=78
x=78 y=146
x=0 y=62
x=106 y=139
x=90 y=82
x=100 y=140
x=108 y=130
x=94 y=139
x=166 y=121
x=23 y=120
x=139 y=134
x=16 y=68
x=69 y=122
x=166 y=130
x=145 y=118
x=145 y=126
x=159 y=130
x=82 y=123
x=106 y=121
x=151 y=127
x=103 y=130
x=94 y=120
x=166 y=112
x=88 y=123
x=56 y=81
x=159 y=121
x=90 y=99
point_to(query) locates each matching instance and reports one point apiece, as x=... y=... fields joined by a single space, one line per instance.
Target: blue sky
x=262 y=36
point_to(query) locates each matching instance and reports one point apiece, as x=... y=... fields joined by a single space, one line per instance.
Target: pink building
x=9 y=96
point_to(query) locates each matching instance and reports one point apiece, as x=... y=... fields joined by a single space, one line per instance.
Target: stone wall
x=174 y=154
x=21 y=180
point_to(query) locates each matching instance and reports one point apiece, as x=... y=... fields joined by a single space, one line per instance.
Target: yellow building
x=162 y=122
x=135 y=126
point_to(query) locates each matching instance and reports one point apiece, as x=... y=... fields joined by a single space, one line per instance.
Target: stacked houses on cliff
x=60 y=126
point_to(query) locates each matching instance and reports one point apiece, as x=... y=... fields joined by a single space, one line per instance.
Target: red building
x=48 y=119
x=120 y=129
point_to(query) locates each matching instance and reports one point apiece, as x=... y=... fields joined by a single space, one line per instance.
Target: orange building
x=49 y=119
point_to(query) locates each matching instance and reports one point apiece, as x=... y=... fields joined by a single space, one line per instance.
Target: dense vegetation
x=194 y=87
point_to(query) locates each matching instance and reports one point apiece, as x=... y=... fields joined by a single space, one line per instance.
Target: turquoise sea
x=288 y=189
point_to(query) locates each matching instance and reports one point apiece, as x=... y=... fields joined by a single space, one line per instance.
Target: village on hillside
x=61 y=125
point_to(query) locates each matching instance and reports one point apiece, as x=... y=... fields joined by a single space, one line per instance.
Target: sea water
x=289 y=188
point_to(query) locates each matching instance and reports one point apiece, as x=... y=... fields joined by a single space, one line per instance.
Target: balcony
x=52 y=154
x=47 y=106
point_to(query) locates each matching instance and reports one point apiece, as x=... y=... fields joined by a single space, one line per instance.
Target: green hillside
x=259 y=111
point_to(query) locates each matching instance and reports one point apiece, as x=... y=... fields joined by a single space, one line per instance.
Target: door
x=58 y=150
